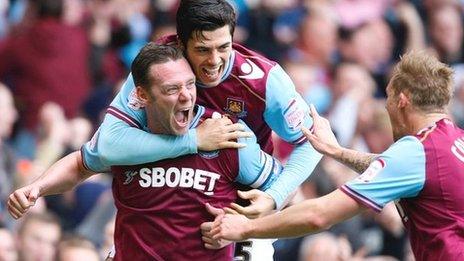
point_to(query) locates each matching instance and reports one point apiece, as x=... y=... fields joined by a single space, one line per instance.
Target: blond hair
x=428 y=81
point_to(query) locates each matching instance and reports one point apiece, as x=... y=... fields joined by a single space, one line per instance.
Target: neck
x=420 y=121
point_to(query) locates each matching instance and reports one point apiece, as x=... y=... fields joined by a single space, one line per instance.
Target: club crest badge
x=235 y=107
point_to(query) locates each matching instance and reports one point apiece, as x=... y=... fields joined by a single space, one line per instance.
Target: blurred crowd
x=62 y=62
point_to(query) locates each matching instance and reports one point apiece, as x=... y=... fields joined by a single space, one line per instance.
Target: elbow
x=317 y=223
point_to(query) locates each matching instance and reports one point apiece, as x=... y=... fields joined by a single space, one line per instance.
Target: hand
x=322 y=138
x=230 y=227
x=20 y=201
x=206 y=227
x=261 y=204
x=215 y=134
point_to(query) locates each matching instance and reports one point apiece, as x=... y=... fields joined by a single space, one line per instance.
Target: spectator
x=75 y=248
x=8 y=250
x=47 y=61
x=7 y=155
x=38 y=236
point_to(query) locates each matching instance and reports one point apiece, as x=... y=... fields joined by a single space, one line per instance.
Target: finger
x=308 y=134
x=208 y=240
x=246 y=194
x=231 y=145
x=230 y=211
x=209 y=246
x=213 y=210
x=225 y=121
x=23 y=201
x=235 y=127
x=239 y=134
x=313 y=111
x=206 y=226
x=13 y=202
x=250 y=210
x=15 y=213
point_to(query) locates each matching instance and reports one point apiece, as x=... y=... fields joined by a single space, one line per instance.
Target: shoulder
x=250 y=65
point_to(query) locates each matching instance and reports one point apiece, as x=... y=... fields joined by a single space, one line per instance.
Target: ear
x=403 y=100
x=142 y=95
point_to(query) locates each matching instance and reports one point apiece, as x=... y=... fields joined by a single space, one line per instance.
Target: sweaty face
x=172 y=97
x=209 y=53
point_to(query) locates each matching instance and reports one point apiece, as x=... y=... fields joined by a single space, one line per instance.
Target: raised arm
x=60 y=177
x=323 y=140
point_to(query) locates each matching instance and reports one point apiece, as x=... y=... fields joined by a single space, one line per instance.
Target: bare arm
x=309 y=216
x=323 y=140
x=60 y=177
x=355 y=160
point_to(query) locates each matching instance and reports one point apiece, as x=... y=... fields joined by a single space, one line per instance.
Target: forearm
x=62 y=176
x=299 y=167
x=294 y=221
x=356 y=160
x=120 y=144
x=309 y=216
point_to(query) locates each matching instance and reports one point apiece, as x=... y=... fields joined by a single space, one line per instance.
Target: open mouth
x=213 y=73
x=182 y=117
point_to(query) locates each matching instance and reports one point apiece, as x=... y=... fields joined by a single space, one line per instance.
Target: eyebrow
x=207 y=47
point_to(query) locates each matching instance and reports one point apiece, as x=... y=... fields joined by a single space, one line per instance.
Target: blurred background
x=62 y=62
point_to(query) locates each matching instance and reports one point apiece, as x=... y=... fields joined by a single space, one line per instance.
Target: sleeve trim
x=360 y=198
x=123 y=116
x=265 y=172
x=300 y=140
x=82 y=158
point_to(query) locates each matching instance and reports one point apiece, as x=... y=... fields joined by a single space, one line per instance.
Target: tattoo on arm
x=356 y=160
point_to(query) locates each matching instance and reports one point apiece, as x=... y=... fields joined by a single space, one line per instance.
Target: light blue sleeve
x=285 y=113
x=397 y=173
x=90 y=158
x=257 y=169
x=121 y=140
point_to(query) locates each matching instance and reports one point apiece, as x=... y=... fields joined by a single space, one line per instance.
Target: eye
x=172 y=90
x=191 y=85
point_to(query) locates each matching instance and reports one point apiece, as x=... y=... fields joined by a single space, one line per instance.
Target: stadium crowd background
x=62 y=61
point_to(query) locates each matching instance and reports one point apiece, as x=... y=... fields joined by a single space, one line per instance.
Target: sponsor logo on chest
x=173 y=177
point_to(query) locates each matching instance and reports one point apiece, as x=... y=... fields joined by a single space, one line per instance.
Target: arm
x=60 y=177
x=309 y=216
x=286 y=112
x=122 y=140
x=323 y=140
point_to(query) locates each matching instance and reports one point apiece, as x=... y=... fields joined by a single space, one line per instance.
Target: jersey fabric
x=162 y=204
x=424 y=175
x=253 y=89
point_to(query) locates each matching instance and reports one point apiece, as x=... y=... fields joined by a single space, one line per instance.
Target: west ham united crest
x=235 y=107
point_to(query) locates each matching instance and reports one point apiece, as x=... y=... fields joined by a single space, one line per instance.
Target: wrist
x=248 y=229
x=337 y=153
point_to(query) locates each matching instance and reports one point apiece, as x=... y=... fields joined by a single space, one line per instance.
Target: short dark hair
x=150 y=54
x=197 y=16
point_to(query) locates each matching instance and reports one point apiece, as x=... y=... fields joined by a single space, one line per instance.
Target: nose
x=185 y=94
x=214 y=58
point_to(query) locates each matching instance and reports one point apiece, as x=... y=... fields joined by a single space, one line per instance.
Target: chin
x=211 y=84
